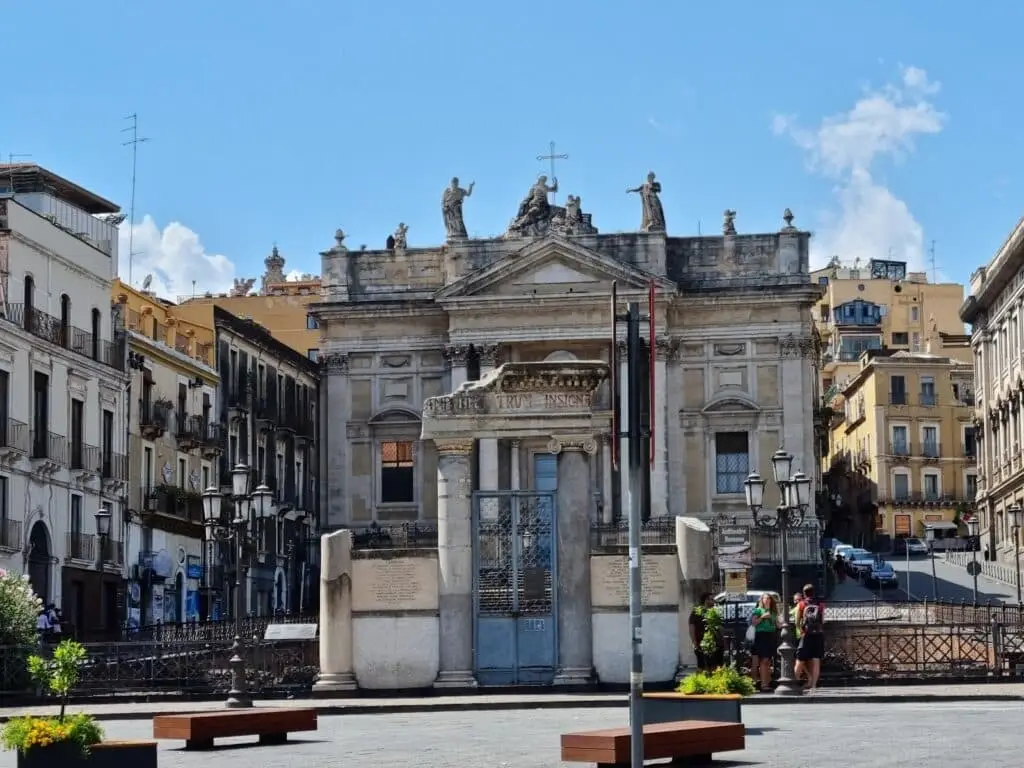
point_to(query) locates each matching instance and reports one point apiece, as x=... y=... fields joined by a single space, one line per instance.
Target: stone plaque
x=609 y=581
x=531 y=402
x=290 y=632
x=394 y=584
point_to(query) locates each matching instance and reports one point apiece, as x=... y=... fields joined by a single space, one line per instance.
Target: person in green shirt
x=765 y=620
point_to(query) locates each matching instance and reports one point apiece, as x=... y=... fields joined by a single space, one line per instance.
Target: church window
x=396 y=472
x=732 y=461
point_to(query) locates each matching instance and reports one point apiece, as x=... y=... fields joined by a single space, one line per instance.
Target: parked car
x=861 y=563
x=881 y=575
x=733 y=609
x=910 y=546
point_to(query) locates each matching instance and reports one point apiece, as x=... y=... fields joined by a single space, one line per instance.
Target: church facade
x=467 y=385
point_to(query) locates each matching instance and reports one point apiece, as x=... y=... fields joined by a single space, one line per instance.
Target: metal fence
x=655 y=530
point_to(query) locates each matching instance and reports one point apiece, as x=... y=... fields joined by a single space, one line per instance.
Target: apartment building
x=904 y=444
x=63 y=465
x=995 y=310
x=875 y=306
x=268 y=402
x=176 y=440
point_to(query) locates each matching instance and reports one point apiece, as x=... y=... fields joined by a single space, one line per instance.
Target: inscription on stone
x=394 y=584
x=609 y=581
x=542 y=401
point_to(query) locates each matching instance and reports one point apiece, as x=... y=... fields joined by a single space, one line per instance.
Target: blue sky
x=882 y=125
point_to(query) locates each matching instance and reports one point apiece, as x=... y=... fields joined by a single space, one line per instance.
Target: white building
x=62 y=393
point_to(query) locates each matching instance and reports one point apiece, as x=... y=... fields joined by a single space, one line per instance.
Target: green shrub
x=19 y=610
x=724 y=680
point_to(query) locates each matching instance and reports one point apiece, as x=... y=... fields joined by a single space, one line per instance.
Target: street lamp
x=1016 y=515
x=102 y=532
x=795 y=490
x=929 y=534
x=973 y=529
x=249 y=510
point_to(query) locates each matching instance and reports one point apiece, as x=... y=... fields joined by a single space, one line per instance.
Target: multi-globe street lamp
x=103 y=518
x=973 y=529
x=1016 y=518
x=250 y=509
x=795 y=493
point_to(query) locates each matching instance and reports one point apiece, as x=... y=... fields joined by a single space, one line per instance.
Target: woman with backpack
x=765 y=622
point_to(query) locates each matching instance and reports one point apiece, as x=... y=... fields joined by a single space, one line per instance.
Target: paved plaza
x=876 y=735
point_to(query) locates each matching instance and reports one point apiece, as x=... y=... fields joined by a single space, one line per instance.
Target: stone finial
x=729 y=222
x=339 y=240
x=787 y=216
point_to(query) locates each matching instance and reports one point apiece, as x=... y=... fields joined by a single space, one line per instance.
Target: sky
x=890 y=131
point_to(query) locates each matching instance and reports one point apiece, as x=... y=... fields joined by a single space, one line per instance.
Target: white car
x=740 y=606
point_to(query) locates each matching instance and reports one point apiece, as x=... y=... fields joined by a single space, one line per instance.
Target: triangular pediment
x=551 y=265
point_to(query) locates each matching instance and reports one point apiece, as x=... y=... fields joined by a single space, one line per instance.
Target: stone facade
x=734 y=369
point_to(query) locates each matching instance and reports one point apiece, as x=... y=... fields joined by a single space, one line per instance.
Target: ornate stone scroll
x=334 y=364
x=586 y=444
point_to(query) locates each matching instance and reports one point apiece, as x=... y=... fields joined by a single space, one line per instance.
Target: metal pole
x=1016 y=558
x=974 y=553
x=935 y=579
x=237 y=696
x=787 y=652
x=910 y=595
x=636 y=674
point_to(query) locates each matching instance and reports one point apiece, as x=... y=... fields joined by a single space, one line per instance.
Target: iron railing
x=654 y=530
x=54 y=330
x=49 y=445
x=413 y=535
x=10 y=534
x=84 y=456
x=114 y=466
x=16 y=436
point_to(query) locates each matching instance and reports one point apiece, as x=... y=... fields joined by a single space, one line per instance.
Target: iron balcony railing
x=412 y=535
x=920 y=497
x=655 y=530
x=931 y=450
x=897 y=398
x=10 y=534
x=17 y=436
x=84 y=456
x=928 y=399
x=114 y=466
x=54 y=330
x=49 y=445
x=81 y=546
x=899 y=448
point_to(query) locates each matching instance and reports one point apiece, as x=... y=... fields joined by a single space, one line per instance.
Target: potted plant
x=702 y=695
x=68 y=740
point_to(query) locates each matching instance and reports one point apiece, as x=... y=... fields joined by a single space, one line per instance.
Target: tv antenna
x=133 y=142
x=931 y=261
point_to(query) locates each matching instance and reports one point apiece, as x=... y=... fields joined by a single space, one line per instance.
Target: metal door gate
x=515 y=587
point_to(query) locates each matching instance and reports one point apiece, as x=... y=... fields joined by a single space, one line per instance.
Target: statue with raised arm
x=535 y=208
x=653 y=214
x=451 y=209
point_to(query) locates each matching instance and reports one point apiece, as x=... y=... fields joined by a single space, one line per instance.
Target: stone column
x=659 y=472
x=575 y=639
x=694 y=546
x=336 y=661
x=514 y=482
x=488 y=447
x=456 y=355
x=455 y=563
x=607 y=508
x=334 y=417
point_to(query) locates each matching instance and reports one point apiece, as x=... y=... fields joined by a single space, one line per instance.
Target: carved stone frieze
x=454 y=447
x=798 y=346
x=334 y=364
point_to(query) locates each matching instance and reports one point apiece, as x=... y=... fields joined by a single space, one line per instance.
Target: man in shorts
x=810 y=623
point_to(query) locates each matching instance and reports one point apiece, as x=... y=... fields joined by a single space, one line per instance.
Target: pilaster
x=487 y=448
x=334 y=418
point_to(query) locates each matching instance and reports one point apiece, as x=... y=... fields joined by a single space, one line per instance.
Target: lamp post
x=1016 y=515
x=249 y=510
x=795 y=493
x=973 y=529
x=103 y=517
x=929 y=534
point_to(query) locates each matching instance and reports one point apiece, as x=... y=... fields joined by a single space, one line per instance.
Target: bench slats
x=201 y=728
x=687 y=738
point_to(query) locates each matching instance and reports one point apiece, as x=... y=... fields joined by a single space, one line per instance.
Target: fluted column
x=455 y=563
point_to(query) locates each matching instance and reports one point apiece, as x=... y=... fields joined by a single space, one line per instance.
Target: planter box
x=672 y=707
x=107 y=754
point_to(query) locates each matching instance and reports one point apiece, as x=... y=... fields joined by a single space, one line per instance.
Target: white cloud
x=176 y=259
x=871 y=222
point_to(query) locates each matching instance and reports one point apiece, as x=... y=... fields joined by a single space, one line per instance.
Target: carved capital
x=798 y=346
x=586 y=444
x=456 y=354
x=666 y=349
x=334 y=364
x=454 y=447
x=487 y=354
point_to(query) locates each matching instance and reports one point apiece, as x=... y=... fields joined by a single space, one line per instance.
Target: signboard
x=736 y=583
x=194 y=569
x=733 y=535
x=290 y=632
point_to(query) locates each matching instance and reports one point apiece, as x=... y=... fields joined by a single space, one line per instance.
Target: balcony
x=176 y=502
x=266 y=412
x=85 y=457
x=86 y=546
x=931 y=450
x=897 y=398
x=49 y=446
x=910 y=498
x=100 y=234
x=238 y=400
x=305 y=429
x=51 y=329
x=114 y=466
x=10 y=534
x=928 y=399
x=899 y=448
x=16 y=437
x=153 y=419
x=189 y=431
x=214 y=439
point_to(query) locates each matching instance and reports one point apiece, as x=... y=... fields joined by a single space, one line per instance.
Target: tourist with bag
x=810 y=622
x=764 y=621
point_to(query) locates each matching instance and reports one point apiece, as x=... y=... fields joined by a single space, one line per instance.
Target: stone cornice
x=454 y=447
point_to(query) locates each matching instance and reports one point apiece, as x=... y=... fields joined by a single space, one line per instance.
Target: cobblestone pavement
x=858 y=736
x=380 y=705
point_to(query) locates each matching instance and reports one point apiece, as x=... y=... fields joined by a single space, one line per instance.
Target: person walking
x=765 y=620
x=810 y=622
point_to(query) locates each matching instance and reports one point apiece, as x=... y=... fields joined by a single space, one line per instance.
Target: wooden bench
x=199 y=729
x=694 y=739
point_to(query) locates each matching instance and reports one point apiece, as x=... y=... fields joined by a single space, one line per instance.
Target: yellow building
x=878 y=306
x=281 y=306
x=903 y=447
x=175 y=439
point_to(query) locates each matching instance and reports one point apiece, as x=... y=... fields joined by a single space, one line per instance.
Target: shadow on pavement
x=249 y=745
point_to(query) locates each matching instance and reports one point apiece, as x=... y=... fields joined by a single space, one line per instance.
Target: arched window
x=96 y=319
x=30 y=293
x=65 y=320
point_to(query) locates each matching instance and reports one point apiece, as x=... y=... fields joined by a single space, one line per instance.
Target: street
x=876 y=735
x=952 y=582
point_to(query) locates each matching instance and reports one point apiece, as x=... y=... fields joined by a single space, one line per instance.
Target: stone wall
x=395 y=624
x=609 y=592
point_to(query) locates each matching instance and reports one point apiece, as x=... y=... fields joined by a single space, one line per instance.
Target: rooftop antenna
x=133 y=142
x=931 y=261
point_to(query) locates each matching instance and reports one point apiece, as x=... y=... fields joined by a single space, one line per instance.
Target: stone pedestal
x=335 y=614
x=695 y=548
x=455 y=563
x=575 y=638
